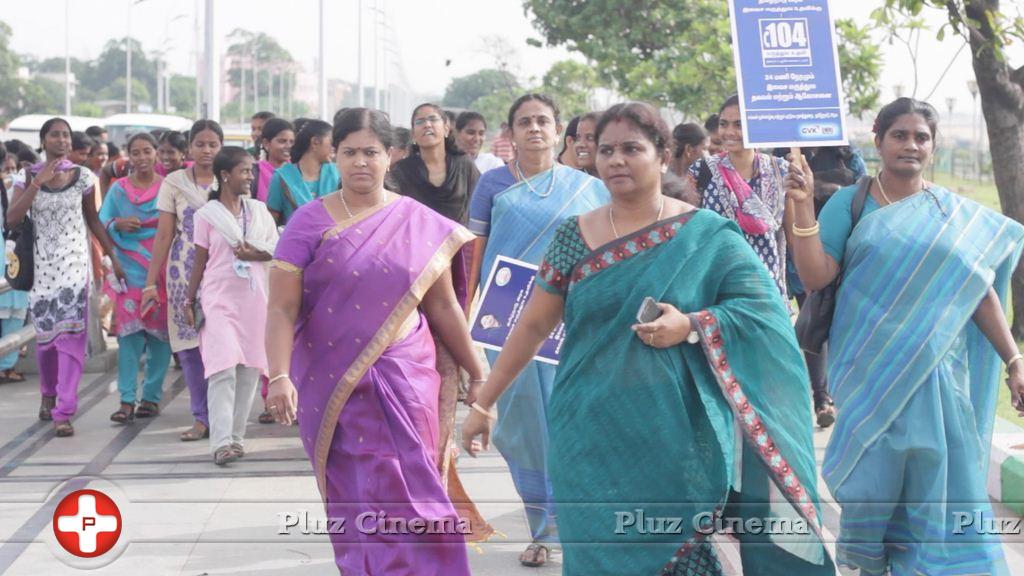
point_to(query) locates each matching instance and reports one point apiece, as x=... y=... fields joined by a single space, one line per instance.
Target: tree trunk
x=1002 y=104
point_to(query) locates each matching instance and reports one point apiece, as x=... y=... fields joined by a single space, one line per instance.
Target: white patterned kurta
x=59 y=296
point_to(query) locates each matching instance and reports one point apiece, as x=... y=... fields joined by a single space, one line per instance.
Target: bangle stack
x=276 y=378
x=150 y=288
x=1016 y=357
x=806 y=232
x=489 y=414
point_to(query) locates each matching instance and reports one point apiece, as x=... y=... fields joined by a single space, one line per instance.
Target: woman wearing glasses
x=436 y=173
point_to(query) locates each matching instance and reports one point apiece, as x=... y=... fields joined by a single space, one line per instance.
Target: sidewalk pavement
x=182 y=515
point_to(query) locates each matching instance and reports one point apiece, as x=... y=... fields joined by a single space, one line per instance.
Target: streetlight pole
x=322 y=61
x=128 y=63
x=212 y=76
x=67 y=58
x=359 y=54
x=376 y=53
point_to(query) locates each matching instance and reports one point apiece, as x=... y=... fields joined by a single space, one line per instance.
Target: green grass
x=981 y=192
x=985 y=194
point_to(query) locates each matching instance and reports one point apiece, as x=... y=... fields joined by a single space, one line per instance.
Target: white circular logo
x=503 y=276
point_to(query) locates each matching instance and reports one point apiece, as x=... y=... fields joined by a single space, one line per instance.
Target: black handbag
x=815 y=319
x=20 y=270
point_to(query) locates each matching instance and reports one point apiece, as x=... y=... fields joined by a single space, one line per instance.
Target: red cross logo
x=87 y=523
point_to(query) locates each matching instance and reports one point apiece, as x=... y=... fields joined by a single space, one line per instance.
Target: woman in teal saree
x=644 y=420
x=914 y=355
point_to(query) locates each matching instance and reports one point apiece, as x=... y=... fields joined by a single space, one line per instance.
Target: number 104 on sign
x=784 y=42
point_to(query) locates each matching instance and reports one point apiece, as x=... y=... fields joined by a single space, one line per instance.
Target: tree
x=669 y=52
x=183 y=94
x=572 y=85
x=988 y=30
x=270 y=57
x=9 y=84
x=109 y=68
x=860 y=66
x=463 y=91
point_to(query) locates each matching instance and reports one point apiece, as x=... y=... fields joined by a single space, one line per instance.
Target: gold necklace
x=611 y=217
x=881 y=189
x=341 y=195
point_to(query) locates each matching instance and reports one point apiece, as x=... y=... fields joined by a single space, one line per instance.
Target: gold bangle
x=806 y=232
x=150 y=288
x=1017 y=356
x=480 y=409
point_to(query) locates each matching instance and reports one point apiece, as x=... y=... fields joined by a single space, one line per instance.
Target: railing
x=26 y=334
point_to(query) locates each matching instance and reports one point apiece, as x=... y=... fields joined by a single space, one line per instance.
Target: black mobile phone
x=649 y=311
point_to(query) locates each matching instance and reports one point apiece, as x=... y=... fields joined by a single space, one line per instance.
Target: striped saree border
x=753 y=426
x=385 y=335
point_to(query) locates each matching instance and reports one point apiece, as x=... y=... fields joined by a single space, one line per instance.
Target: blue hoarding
x=787 y=73
x=502 y=302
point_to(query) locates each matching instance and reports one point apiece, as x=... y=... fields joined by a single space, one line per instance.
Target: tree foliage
x=18 y=96
x=572 y=85
x=271 y=60
x=463 y=91
x=671 y=52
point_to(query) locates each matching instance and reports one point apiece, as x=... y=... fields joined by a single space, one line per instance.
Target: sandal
x=225 y=455
x=63 y=428
x=535 y=555
x=46 y=407
x=125 y=414
x=266 y=418
x=11 y=375
x=825 y=412
x=198 y=431
x=238 y=449
x=147 y=409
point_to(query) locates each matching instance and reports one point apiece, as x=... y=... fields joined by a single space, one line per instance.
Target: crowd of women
x=333 y=267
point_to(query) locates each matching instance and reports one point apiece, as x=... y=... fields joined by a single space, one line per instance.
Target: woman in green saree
x=645 y=420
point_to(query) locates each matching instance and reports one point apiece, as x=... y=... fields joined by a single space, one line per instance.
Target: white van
x=26 y=128
x=121 y=126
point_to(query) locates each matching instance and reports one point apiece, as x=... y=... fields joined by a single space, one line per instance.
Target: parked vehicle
x=26 y=128
x=122 y=126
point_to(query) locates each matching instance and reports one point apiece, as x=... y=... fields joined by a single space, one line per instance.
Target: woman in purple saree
x=362 y=306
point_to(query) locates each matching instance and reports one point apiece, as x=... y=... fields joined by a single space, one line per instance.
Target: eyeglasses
x=431 y=119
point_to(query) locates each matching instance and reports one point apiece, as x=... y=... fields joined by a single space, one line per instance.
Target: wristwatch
x=693 y=337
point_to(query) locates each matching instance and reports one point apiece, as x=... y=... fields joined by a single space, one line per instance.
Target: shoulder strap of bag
x=4 y=202
x=703 y=176
x=859 y=199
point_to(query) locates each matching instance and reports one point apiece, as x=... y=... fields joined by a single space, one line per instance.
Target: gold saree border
x=439 y=262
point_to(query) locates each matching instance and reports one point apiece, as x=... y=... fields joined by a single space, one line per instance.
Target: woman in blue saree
x=914 y=355
x=514 y=212
x=645 y=420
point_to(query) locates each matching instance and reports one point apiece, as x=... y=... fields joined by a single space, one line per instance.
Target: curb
x=1006 y=466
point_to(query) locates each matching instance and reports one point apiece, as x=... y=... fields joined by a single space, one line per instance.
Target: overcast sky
x=427 y=35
